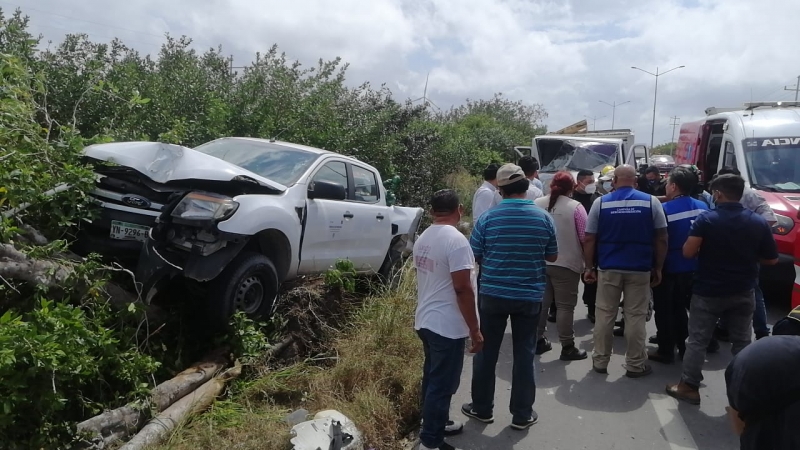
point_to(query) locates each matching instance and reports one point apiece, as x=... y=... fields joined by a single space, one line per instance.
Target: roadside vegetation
x=75 y=340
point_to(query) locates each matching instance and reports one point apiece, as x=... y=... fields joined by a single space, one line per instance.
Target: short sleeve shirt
x=734 y=240
x=438 y=252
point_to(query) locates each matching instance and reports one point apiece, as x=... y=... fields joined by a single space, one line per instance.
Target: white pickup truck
x=242 y=215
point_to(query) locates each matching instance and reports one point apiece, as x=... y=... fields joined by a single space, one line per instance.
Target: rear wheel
x=249 y=284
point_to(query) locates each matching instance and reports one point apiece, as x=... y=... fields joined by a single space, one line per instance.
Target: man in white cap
x=511 y=242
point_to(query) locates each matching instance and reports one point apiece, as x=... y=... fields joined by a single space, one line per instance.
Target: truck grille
x=130 y=196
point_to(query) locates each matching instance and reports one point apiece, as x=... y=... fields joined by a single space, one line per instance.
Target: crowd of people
x=636 y=242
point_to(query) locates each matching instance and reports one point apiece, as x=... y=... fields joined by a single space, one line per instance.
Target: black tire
x=249 y=283
x=390 y=271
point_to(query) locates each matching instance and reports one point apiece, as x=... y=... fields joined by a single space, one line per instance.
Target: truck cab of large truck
x=590 y=150
x=762 y=141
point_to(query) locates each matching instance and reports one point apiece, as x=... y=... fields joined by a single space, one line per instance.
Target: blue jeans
x=759 y=315
x=444 y=360
x=524 y=315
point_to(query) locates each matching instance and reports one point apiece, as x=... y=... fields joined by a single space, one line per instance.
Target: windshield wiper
x=762 y=187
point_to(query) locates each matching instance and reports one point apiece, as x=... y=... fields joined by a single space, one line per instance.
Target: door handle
x=379 y=217
x=348 y=215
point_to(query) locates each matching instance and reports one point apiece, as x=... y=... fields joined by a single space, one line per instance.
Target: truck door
x=330 y=224
x=372 y=224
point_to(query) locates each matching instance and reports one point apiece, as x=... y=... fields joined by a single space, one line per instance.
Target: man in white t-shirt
x=530 y=168
x=486 y=196
x=446 y=315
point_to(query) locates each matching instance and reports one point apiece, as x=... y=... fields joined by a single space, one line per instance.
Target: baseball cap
x=509 y=173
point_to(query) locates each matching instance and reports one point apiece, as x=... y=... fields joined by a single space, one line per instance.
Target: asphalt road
x=580 y=409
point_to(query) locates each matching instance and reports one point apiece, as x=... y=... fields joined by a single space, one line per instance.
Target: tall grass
x=374 y=379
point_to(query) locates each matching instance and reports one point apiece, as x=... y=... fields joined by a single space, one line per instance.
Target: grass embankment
x=371 y=374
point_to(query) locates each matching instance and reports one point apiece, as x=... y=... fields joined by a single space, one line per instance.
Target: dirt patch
x=313 y=314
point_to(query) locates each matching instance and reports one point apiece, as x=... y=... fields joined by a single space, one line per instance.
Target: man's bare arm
x=692 y=246
x=465 y=295
x=589 y=245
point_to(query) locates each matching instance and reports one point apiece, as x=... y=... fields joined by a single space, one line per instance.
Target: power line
x=28 y=8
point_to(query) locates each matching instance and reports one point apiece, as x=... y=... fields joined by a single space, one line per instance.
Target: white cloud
x=567 y=55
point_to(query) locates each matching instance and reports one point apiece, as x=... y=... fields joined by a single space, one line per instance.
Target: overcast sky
x=567 y=55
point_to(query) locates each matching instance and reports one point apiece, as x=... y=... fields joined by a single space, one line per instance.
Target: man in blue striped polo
x=628 y=231
x=511 y=242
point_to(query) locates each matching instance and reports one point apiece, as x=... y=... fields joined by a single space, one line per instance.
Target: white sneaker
x=452 y=428
x=444 y=446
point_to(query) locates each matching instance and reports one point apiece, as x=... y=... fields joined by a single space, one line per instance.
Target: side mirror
x=325 y=190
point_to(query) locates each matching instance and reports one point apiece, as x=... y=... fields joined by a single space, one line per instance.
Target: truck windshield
x=279 y=163
x=774 y=163
x=577 y=155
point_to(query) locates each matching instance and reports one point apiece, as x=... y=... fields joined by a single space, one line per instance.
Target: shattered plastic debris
x=327 y=427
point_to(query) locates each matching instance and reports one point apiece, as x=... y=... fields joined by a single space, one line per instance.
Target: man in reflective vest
x=671 y=297
x=628 y=231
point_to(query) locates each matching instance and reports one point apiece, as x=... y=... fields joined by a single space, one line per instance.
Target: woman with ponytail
x=564 y=275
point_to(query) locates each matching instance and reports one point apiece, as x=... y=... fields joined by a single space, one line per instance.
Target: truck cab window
x=366 y=185
x=333 y=172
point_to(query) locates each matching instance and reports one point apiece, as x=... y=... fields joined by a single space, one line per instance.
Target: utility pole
x=594 y=121
x=675 y=122
x=655 y=96
x=230 y=65
x=796 y=88
x=613 y=106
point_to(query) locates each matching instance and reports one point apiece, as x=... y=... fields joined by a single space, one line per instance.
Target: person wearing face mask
x=651 y=183
x=728 y=242
x=585 y=193
x=671 y=297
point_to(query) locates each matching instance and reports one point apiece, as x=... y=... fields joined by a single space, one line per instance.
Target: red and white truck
x=762 y=141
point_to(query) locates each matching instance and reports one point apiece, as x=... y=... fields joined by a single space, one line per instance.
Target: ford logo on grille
x=135 y=201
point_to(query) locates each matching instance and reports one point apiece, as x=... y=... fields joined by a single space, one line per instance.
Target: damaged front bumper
x=180 y=244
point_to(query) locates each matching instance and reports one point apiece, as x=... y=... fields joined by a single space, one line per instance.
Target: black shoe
x=527 y=424
x=591 y=318
x=444 y=446
x=619 y=323
x=658 y=357
x=653 y=339
x=572 y=353
x=619 y=331
x=721 y=334
x=467 y=410
x=647 y=371
x=713 y=346
x=543 y=346
x=551 y=316
x=600 y=370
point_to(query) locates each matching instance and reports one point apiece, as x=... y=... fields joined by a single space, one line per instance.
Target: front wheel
x=248 y=284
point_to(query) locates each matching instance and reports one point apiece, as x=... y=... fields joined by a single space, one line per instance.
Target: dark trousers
x=495 y=313
x=704 y=314
x=444 y=360
x=589 y=295
x=671 y=301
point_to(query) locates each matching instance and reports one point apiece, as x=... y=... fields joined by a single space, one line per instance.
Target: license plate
x=128 y=231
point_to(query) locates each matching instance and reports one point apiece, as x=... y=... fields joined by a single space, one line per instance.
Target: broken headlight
x=783 y=226
x=204 y=206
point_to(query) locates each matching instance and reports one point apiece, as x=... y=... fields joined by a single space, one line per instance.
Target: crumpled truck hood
x=168 y=162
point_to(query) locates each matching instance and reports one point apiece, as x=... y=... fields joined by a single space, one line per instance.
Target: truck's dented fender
x=405 y=222
x=257 y=213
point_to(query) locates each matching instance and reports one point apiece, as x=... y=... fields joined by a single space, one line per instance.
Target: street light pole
x=614 y=109
x=594 y=121
x=655 y=96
